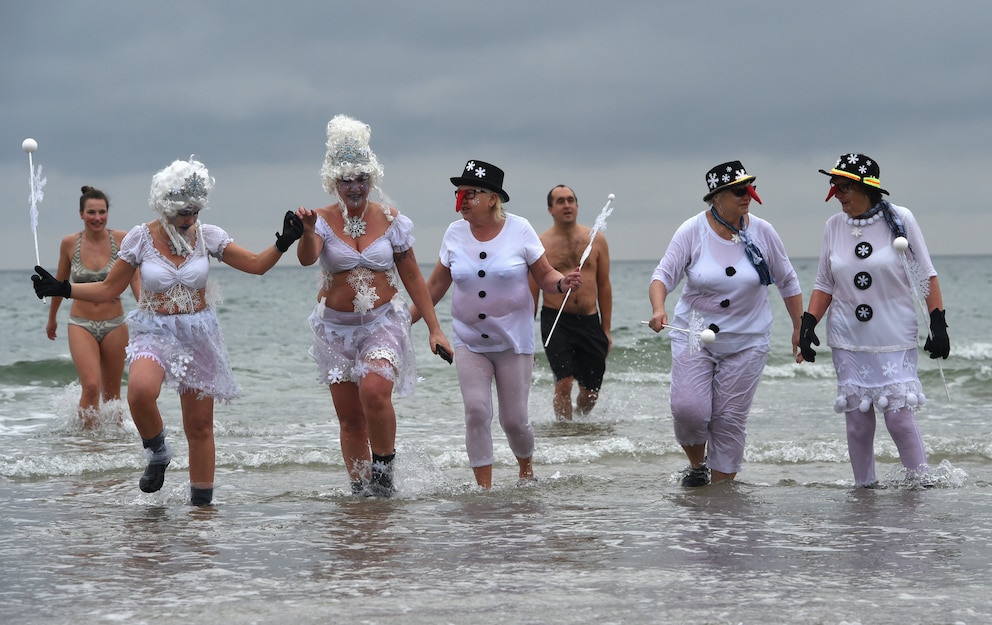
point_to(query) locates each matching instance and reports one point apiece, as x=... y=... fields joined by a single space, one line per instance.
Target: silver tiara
x=194 y=188
x=352 y=151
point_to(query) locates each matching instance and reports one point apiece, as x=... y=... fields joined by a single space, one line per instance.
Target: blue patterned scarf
x=895 y=224
x=752 y=251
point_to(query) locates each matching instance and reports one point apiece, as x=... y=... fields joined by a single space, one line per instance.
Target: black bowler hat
x=480 y=174
x=859 y=168
x=724 y=176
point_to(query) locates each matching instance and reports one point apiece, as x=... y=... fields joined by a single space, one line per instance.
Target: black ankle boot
x=381 y=480
x=159 y=455
x=200 y=496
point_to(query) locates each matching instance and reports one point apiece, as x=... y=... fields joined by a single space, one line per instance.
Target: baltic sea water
x=606 y=535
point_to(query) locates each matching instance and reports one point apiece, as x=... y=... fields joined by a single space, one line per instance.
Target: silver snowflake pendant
x=856 y=232
x=735 y=238
x=354 y=226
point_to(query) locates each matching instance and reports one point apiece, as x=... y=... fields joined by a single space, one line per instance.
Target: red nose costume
x=753 y=193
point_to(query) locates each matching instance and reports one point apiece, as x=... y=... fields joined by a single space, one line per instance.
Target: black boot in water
x=381 y=480
x=159 y=455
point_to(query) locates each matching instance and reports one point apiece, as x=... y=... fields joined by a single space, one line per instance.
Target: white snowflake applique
x=865 y=372
x=740 y=173
x=470 y=166
x=713 y=181
x=852 y=158
x=889 y=369
x=725 y=177
x=735 y=238
x=862 y=281
x=863 y=170
x=480 y=172
x=856 y=231
x=336 y=376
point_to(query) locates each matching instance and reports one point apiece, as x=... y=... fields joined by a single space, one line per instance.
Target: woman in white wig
x=361 y=324
x=175 y=337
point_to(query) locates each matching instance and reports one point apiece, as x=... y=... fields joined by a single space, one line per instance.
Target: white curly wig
x=348 y=153
x=180 y=185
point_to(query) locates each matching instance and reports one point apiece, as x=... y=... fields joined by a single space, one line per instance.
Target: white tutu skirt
x=348 y=346
x=190 y=349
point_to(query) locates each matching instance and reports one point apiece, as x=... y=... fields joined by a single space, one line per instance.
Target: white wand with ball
x=37 y=194
x=698 y=335
x=599 y=225
x=901 y=244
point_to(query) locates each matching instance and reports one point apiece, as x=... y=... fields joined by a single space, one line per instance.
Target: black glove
x=292 y=230
x=938 y=343
x=807 y=337
x=45 y=285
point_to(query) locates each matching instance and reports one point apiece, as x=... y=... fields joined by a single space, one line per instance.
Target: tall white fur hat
x=348 y=153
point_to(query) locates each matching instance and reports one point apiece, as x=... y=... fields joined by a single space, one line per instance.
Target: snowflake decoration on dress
x=336 y=376
x=179 y=299
x=179 y=365
x=889 y=369
x=856 y=231
x=365 y=294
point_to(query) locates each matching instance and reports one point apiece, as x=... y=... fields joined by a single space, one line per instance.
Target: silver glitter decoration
x=194 y=188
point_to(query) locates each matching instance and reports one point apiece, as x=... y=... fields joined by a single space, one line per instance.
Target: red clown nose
x=459 y=198
x=753 y=193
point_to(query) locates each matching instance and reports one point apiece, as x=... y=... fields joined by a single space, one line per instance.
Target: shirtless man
x=581 y=340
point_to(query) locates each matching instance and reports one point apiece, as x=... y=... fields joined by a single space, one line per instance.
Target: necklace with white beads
x=867 y=219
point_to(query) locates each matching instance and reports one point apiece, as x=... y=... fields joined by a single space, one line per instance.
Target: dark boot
x=381 y=480
x=200 y=496
x=159 y=455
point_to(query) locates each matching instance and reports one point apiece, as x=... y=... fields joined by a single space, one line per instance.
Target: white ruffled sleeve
x=134 y=246
x=400 y=233
x=215 y=239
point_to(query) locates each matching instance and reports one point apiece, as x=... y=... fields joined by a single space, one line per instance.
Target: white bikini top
x=158 y=273
x=338 y=256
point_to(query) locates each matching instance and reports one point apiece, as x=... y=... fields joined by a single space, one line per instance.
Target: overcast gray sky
x=638 y=99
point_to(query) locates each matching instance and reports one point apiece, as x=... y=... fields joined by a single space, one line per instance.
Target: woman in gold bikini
x=97 y=332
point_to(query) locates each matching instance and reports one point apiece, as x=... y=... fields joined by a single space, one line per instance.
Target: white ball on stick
x=611 y=197
x=707 y=336
x=901 y=244
x=29 y=145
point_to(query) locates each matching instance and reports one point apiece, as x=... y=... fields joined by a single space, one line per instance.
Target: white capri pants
x=711 y=398
x=512 y=372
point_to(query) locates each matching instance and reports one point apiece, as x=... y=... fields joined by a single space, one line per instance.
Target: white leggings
x=711 y=398
x=861 y=437
x=511 y=371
